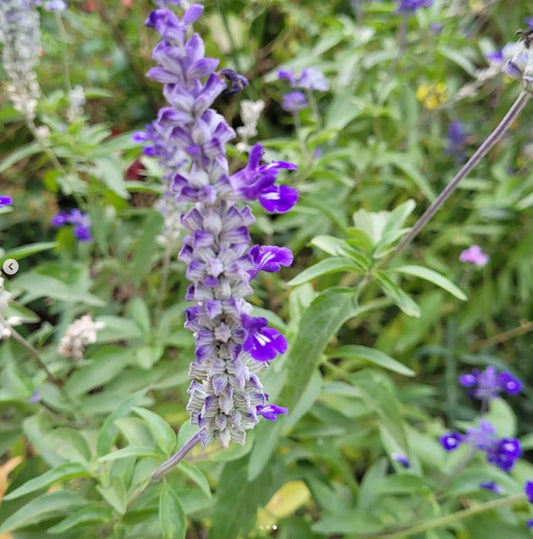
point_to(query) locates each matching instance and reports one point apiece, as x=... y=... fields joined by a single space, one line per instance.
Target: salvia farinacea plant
x=232 y=346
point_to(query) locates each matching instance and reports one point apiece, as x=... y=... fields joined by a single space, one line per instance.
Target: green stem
x=164 y=281
x=46 y=148
x=491 y=140
x=449 y=519
x=64 y=53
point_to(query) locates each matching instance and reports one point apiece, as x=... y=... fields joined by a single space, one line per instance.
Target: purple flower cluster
x=456 y=141
x=80 y=220
x=488 y=384
x=409 y=7
x=474 y=255
x=5 y=201
x=52 y=5
x=502 y=452
x=232 y=347
x=308 y=79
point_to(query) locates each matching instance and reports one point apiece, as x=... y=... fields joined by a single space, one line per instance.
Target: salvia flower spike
x=232 y=346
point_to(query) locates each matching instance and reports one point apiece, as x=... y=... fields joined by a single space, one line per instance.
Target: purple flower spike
x=80 y=220
x=528 y=489
x=189 y=138
x=504 y=453
x=294 y=101
x=5 y=201
x=271 y=411
x=451 y=441
x=491 y=485
x=474 y=255
x=401 y=459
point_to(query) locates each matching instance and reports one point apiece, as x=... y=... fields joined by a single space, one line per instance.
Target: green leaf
x=130 y=451
x=27 y=250
x=338 y=247
x=42 y=508
x=115 y=495
x=319 y=323
x=433 y=277
x=329 y=265
x=44 y=286
x=196 y=475
x=399 y=484
x=163 y=433
x=172 y=518
x=104 y=366
x=109 y=430
x=400 y=298
x=373 y=356
x=19 y=154
x=109 y=170
x=63 y=472
x=147 y=246
x=91 y=514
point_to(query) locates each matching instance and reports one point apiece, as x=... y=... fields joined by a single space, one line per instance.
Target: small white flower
x=78 y=335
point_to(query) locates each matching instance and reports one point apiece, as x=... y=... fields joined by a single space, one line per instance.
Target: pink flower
x=474 y=255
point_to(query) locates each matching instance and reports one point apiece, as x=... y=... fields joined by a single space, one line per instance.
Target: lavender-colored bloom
x=436 y=27
x=35 y=397
x=491 y=485
x=294 y=101
x=502 y=452
x=529 y=22
x=496 y=56
x=451 y=440
x=529 y=523
x=401 y=459
x=488 y=384
x=20 y=36
x=309 y=78
x=456 y=140
x=55 y=5
x=81 y=222
x=269 y=258
x=528 y=489
x=189 y=137
x=520 y=67
x=409 y=7
x=236 y=82
x=5 y=201
x=474 y=255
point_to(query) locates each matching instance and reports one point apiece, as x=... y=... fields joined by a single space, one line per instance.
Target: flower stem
x=449 y=519
x=175 y=459
x=164 y=280
x=64 y=53
x=491 y=140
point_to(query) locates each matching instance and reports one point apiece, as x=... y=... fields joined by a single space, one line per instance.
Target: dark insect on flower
x=526 y=36
x=236 y=82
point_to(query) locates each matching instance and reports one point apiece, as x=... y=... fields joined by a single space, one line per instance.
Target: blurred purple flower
x=436 y=27
x=529 y=523
x=80 y=220
x=294 y=101
x=55 y=5
x=528 y=489
x=529 y=22
x=5 y=201
x=502 y=452
x=409 y=7
x=474 y=255
x=309 y=78
x=35 y=397
x=401 y=459
x=491 y=485
x=456 y=141
x=488 y=384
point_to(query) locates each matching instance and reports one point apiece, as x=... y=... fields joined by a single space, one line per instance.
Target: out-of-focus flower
x=55 y=5
x=502 y=452
x=474 y=255
x=432 y=95
x=35 y=397
x=491 y=485
x=5 y=201
x=79 y=334
x=409 y=7
x=528 y=489
x=488 y=384
x=20 y=36
x=80 y=220
x=294 y=101
x=309 y=78
x=436 y=27
x=456 y=140
x=401 y=459
x=76 y=99
x=520 y=67
x=250 y=114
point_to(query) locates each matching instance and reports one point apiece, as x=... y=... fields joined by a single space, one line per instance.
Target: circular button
x=10 y=266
